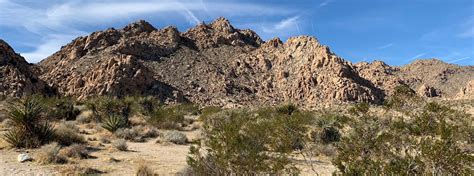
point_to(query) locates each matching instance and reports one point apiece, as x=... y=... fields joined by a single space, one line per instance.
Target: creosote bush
x=30 y=129
x=61 y=108
x=427 y=143
x=244 y=142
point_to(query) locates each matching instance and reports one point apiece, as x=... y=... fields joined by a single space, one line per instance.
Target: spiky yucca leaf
x=114 y=122
x=28 y=130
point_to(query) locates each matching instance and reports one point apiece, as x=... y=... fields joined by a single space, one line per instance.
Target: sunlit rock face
x=218 y=64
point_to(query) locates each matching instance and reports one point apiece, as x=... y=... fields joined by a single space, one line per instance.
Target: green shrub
x=29 y=127
x=243 y=142
x=329 y=135
x=62 y=108
x=103 y=107
x=208 y=111
x=359 y=108
x=403 y=98
x=147 y=105
x=167 y=118
x=427 y=143
x=287 y=109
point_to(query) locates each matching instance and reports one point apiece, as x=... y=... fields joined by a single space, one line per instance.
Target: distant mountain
x=217 y=64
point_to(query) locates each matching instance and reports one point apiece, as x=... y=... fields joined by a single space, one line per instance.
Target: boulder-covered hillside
x=217 y=64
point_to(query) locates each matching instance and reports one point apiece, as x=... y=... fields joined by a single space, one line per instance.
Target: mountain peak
x=139 y=27
x=223 y=25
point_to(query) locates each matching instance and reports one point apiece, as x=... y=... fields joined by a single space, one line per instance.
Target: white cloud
x=325 y=3
x=286 y=23
x=418 y=56
x=283 y=27
x=385 y=46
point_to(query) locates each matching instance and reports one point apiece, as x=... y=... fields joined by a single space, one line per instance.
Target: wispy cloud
x=286 y=25
x=385 y=46
x=418 y=56
x=325 y=3
x=457 y=60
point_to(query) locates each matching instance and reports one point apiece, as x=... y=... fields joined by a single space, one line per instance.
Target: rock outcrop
x=467 y=92
x=430 y=77
x=217 y=64
x=16 y=75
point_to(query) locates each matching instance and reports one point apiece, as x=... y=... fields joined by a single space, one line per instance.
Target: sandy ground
x=164 y=159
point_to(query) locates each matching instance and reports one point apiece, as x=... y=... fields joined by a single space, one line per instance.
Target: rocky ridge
x=17 y=77
x=217 y=64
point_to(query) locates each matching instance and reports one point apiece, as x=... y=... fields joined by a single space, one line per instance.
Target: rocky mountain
x=429 y=78
x=17 y=77
x=217 y=64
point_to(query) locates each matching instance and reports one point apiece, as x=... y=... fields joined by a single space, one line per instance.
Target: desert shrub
x=49 y=154
x=186 y=109
x=3 y=97
x=79 y=170
x=287 y=109
x=147 y=105
x=428 y=143
x=208 y=111
x=29 y=129
x=144 y=170
x=166 y=118
x=137 y=133
x=331 y=119
x=113 y=122
x=246 y=142
x=104 y=107
x=104 y=139
x=175 y=137
x=403 y=98
x=78 y=151
x=61 y=108
x=359 y=108
x=120 y=144
x=329 y=135
x=67 y=134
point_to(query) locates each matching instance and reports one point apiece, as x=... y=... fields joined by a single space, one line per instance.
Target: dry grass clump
x=49 y=154
x=144 y=170
x=67 y=134
x=77 y=151
x=79 y=170
x=120 y=144
x=104 y=139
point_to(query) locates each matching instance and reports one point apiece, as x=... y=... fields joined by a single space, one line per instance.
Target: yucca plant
x=29 y=130
x=114 y=122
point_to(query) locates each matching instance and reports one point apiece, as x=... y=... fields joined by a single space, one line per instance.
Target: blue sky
x=395 y=31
